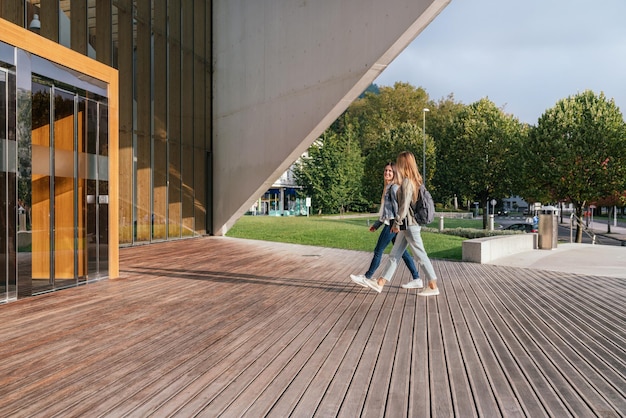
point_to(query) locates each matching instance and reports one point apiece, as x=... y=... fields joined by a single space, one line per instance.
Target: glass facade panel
x=115 y=45
x=162 y=51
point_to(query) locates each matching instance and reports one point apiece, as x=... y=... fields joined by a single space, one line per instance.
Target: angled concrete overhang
x=283 y=71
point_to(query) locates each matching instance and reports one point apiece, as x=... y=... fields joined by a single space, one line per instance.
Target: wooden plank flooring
x=225 y=327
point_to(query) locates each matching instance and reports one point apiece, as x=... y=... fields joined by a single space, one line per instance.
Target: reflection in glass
x=103 y=191
x=20 y=122
x=5 y=244
x=64 y=190
x=85 y=134
x=87 y=190
x=41 y=183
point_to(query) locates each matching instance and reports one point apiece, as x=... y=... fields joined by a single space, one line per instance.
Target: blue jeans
x=385 y=237
x=410 y=237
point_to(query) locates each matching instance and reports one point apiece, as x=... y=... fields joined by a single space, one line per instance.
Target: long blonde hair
x=407 y=168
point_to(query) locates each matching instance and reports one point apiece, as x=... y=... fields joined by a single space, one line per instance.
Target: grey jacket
x=405 y=216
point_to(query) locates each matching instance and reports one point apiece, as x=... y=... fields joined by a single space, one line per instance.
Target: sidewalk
x=588 y=259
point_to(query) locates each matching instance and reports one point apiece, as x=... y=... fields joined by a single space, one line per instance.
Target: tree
x=405 y=137
x=577 y=152
x=611 y=202
x=481 y=153
x=439 y=125
x=331 y=174
x=392 y=106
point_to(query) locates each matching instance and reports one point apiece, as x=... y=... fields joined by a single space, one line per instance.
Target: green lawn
x=346 y=233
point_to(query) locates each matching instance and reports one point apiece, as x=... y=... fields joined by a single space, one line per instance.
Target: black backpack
x=424 y=208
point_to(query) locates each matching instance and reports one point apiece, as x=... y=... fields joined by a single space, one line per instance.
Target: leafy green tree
x=378 y=112
x=440 y=123
x=577 y=152
x=372 y=88
x=612 y=202
x=405 y=137
x=481 y=153
x=331 y=174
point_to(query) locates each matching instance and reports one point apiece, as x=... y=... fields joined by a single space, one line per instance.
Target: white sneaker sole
x=358 y=280
x=411 y=285
x=373 y=285
x=429 y=292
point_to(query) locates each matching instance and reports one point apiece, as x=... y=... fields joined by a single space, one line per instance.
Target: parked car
x=525 y=227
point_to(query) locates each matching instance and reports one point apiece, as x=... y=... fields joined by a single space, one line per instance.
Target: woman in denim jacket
x=407 y=228
x=386 y=215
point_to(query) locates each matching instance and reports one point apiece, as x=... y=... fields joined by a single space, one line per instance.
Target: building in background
x=282 y=199
x=515 y=204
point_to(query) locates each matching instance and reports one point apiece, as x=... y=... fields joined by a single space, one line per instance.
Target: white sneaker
x=373 y=284
x=429 y=292
x=414 y=284
x=359 y=279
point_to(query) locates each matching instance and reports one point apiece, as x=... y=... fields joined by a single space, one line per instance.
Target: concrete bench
x=484 y=250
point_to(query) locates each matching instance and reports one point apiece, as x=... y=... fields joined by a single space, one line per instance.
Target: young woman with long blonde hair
x=407 y=228
x=386 y=215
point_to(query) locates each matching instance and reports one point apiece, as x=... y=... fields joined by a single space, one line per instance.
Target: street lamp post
x=424 y=143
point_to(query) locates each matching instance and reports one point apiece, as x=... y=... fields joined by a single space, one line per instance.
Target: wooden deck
x=226 y=327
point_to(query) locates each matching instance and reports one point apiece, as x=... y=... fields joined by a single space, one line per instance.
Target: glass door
x=54 y=206
x=53 y=189
x=93 y=189
x=69 y=188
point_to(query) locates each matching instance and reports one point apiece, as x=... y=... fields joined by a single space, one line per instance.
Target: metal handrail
x=586 y=230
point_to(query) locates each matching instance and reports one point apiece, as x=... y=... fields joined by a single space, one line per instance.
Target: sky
x=524 y=55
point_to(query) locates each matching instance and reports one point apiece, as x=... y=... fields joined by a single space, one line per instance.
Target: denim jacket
x=389 y=208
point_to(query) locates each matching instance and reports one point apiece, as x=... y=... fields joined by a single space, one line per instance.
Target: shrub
x=471 y=232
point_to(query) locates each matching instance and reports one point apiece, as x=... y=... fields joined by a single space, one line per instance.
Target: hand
x=395 y=229
x=372 y=229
